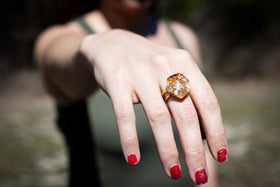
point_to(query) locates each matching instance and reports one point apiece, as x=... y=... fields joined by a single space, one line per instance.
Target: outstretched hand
x=131 y=69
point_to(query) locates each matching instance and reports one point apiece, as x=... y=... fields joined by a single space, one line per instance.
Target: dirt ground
x=32 y=153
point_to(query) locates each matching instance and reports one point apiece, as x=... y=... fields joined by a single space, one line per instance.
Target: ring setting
x=177 y=85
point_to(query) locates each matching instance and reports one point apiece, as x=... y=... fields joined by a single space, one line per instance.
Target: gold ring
x=177 y=85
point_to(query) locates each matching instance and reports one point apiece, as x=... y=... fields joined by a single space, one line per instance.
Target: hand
x=131 y=69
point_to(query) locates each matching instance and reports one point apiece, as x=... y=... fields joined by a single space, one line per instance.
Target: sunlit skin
x=130 y=57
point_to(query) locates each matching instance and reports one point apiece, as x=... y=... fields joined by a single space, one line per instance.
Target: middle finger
x=160 y=123
x=187 y=123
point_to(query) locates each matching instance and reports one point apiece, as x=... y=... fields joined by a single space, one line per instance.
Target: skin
x=132 y=67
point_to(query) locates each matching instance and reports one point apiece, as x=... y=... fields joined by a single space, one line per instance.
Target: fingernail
x=222 y=155
x=132 y=159
x=175 y=172
x=201 y=176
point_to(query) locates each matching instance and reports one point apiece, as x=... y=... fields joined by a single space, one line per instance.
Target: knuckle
x=159 y=115
x=187 y=114
x=85 y=44
x=218 y=134
x=184 y=56
x=129 y=140
x=195 y=152
x=169 y=154
x=211 y=102
x=159 y=58
x=172 y=156
x=114 y=76
x=160 y=61
x=123 y=115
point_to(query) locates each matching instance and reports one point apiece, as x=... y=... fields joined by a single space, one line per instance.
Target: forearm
x=67 y=74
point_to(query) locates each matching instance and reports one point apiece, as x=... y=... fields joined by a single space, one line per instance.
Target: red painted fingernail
x=222 y=155
x=201 y=176
x=132 y=159
x=175 y=172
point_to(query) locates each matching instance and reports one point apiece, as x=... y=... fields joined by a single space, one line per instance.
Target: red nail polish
x=132 y=159
x=201 y=176
x=175 y=172
x=222 y=155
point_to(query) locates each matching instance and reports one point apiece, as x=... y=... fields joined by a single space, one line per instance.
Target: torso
x=97 y=22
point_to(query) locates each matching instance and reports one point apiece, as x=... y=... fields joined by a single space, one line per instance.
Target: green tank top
x=89 y=30
x=114 y=171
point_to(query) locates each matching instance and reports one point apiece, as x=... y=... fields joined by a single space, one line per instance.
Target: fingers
x=208 y=108
x=201 y=103
x=125 y=117
x=160 y=123
x=187 y=124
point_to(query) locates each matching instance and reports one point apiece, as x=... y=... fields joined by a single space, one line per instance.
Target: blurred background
x=241 y=56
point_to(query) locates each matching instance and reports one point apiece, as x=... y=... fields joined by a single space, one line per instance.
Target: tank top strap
x=81 y=21
x=173 y=34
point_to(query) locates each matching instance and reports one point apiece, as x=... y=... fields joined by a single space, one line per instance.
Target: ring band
x=177 y=85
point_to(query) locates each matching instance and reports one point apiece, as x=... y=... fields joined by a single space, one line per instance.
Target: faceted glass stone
x=178 y=85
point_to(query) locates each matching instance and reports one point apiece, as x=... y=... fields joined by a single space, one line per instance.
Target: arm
x=132 y=69
x=62 y=66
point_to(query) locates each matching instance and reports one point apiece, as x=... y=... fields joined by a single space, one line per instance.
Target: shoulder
x=59 y=30
x=185 y=33
x=54 y=33
x=187 y=37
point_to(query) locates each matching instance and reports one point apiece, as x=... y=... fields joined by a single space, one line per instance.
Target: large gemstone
x=178 y=85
